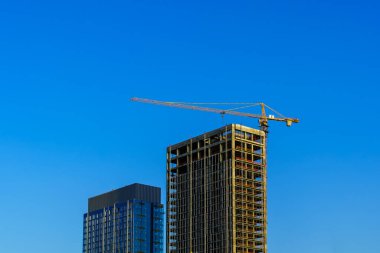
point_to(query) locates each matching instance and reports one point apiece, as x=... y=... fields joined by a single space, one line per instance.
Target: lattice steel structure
x=216 y=192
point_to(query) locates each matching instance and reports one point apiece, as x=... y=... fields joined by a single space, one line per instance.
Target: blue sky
x=68 y=130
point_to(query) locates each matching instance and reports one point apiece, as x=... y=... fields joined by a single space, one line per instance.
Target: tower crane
x=263 y=118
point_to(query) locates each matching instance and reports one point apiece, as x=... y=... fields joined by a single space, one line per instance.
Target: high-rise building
x=126 y=220
x=216 y=192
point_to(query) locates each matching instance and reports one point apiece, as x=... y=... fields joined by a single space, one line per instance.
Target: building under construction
x=216 y=192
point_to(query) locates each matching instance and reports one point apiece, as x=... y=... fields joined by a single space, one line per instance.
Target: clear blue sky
x=68 y=131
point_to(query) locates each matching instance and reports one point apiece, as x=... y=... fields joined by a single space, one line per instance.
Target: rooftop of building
x=217 y=131
x=134 y=191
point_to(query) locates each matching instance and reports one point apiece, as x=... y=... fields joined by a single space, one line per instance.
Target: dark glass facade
x=127 y=226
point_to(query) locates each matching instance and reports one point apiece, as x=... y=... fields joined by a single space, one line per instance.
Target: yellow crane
x=263 y=118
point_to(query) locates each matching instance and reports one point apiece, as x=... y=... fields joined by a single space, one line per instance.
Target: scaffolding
x=216 y=192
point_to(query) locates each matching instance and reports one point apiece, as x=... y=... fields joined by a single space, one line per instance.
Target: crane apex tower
x=216 y=192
